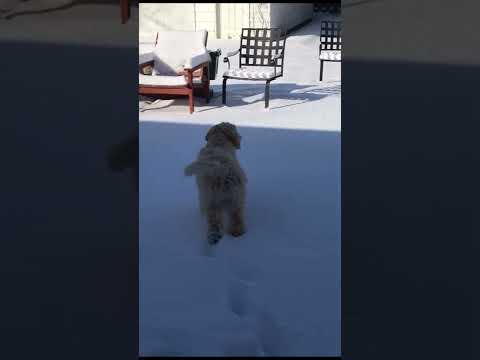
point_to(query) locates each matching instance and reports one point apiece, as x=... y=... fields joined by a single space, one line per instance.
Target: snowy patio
x=275 y=290
x=298 y=90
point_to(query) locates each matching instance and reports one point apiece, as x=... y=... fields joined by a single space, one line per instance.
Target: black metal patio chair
x=259 y=47
x=330 y=43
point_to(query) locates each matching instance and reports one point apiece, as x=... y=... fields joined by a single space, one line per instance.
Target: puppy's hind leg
x=236 y=212
x=215 y=226
x=237 y=223
x=202 y=197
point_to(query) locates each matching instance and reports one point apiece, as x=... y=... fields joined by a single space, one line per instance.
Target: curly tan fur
x=221 y=181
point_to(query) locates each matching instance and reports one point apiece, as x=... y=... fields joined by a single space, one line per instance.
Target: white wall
x=177 y=16
x=171 y=16
x=260 y=14
x=205 y=18
x=233 y=16
x=288 y=15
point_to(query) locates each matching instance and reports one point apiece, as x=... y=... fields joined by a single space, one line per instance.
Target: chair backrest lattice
x=331 y=35
x=259 y=45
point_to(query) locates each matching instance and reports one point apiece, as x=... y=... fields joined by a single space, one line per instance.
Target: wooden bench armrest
x=189 y=72
x=143 y=65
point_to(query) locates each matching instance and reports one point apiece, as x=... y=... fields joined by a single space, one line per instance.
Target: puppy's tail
x=204 y=168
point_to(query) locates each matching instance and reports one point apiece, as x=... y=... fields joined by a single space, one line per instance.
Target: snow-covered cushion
x=199 y=58
x=168 y=64
x=156 y=80
x=175 y=50
x=147 y=37
x=331 y=55
x=249 y=74
x=145 y=57
x=145 y=48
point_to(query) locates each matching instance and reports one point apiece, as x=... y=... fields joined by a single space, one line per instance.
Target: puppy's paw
x=214 y=233
x=237 y=230
x=214 y=237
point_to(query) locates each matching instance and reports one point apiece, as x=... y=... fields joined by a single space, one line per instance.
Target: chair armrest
x=145 y=60
x=200 y=58
x=189 y=73
x=230 y=54
x=142 y=66
x=192 y=70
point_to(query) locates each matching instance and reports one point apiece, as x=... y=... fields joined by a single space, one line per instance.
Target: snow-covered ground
x=275 y=290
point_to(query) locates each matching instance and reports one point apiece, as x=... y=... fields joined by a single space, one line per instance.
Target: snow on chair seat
x=332 y=55
x=160 y=80
x=250 y=74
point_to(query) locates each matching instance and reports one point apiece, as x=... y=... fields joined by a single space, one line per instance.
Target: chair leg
x=321 y=70
x=190 y=100
x=224 y=91
x=206 y=90
x=205 y=84
x=125 y=10
x=267 y=94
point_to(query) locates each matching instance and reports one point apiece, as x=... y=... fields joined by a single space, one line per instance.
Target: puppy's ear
x=235 y=137
x=230 y=131
x=210 y=132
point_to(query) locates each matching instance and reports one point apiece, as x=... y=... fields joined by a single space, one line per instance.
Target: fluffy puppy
x=221 y=181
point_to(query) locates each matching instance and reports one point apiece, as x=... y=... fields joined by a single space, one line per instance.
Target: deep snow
x=275 y=290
